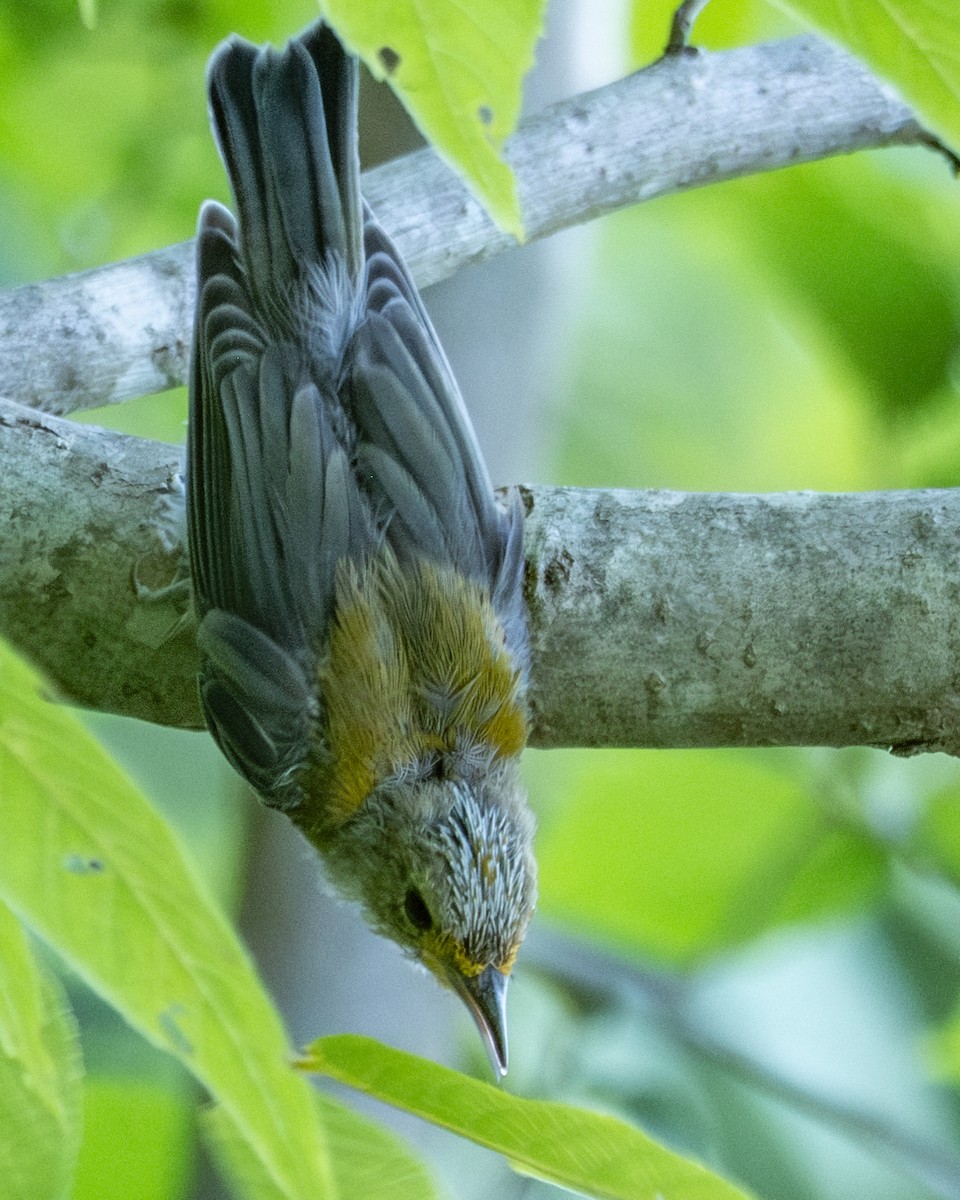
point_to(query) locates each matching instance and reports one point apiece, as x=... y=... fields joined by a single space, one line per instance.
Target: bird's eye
x=416 y=910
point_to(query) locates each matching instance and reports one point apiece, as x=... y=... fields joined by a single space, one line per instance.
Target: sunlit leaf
x=95 y=871
x=458 y=70
x=367 y=1160
x=587 y=1152
x=153 y=1159
x=911 y=43
x=40 y=1074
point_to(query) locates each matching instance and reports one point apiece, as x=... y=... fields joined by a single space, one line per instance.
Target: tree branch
x=123 y=330
x=83 y=512
x=657 y=618
x=698 y=619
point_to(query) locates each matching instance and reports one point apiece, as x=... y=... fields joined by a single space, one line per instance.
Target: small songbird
x=358 y=587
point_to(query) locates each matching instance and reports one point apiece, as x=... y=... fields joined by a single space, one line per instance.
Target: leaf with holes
x=88 y=865
x=458 y=71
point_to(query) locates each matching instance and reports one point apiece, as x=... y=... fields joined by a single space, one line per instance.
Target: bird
x=356 y=580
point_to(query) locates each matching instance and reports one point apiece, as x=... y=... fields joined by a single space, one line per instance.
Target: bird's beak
x=485 y=995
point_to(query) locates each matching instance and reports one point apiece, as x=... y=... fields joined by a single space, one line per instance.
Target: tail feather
x=290 y=149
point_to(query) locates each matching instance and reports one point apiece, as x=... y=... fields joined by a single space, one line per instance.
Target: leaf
x=458 y=71
x=40 y=1074
x=88 y=13
x=157 y=1120
x=587 y=1152
x=236 y=1159
x=911 y=43
x=95 y=871
x=367 y=1160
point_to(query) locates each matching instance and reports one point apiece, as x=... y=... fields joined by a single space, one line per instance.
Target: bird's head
x=445 y=868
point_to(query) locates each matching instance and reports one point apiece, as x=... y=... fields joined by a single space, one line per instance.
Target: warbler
x=357 y=584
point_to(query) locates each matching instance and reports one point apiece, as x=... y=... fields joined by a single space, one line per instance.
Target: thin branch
x=657 y=618
x=672 y=1000
x=123 y=330
x=682 y=25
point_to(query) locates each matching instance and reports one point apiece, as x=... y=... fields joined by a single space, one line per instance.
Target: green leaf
x=588 y=1152
x=367 y=1160
x=912 y=43
x=236 y=1159
x=157 y=1126
x=458 y=71
x=88 y=13
x=40 y=1074
x=95 y=871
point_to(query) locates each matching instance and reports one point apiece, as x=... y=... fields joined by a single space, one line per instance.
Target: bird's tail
x=286 y=124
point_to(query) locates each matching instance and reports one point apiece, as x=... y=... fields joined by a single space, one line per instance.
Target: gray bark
x=657 y=618
x=695 y=619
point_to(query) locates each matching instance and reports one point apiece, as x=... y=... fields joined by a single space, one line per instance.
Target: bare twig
x=682 y=25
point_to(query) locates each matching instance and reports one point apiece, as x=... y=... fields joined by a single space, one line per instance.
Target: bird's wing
x=273 y=502
x=417 y=453
x=273 y=507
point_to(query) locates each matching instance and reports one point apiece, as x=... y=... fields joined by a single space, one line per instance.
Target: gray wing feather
x=257 y=704
x=416 y=441
x=414 y=528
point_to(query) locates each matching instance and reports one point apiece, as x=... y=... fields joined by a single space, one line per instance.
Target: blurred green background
x=755 y=955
